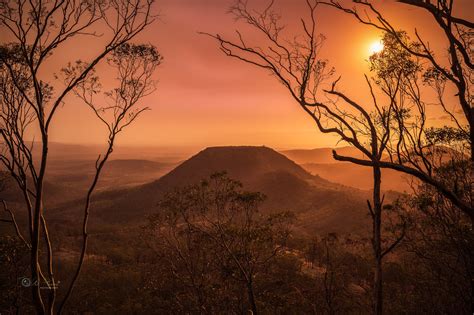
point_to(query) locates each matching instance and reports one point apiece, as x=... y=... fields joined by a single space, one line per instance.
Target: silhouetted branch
x=15 y=224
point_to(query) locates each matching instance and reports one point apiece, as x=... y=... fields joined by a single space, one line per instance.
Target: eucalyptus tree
x=30 y=98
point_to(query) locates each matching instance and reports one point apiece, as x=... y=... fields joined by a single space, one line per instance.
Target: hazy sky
x=205 y=98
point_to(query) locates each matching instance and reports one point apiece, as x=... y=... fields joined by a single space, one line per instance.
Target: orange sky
x=205 y=98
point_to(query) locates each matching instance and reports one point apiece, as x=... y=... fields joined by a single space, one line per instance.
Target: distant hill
x=69 y=152
x=117 y=173
x=321 y=162
x=133 y=165
x=54 y=192
x=357 y=176
x=319 y=155
x=322 y=206
x=69 y=180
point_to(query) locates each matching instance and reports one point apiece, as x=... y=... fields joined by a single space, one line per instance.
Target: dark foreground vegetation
x=209 y=249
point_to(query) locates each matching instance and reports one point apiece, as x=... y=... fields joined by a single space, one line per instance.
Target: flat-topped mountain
x=244 y=163
x=321 y=205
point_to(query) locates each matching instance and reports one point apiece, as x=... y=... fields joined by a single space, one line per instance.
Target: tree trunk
x=471 y=169
x=35 y=242
x=376 y=241
x=251 y=295
x=35 y=275
x=471 y=132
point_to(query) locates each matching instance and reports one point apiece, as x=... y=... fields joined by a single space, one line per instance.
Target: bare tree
x=297 y=65
x=29 y=102
x=135 y=65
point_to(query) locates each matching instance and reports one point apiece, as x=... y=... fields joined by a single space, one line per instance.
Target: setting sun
x=375 y=47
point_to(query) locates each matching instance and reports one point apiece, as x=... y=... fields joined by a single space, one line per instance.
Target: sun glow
x=375 y=47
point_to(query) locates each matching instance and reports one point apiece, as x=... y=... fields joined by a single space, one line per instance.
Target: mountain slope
x=243 y=163
x=322 y=205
